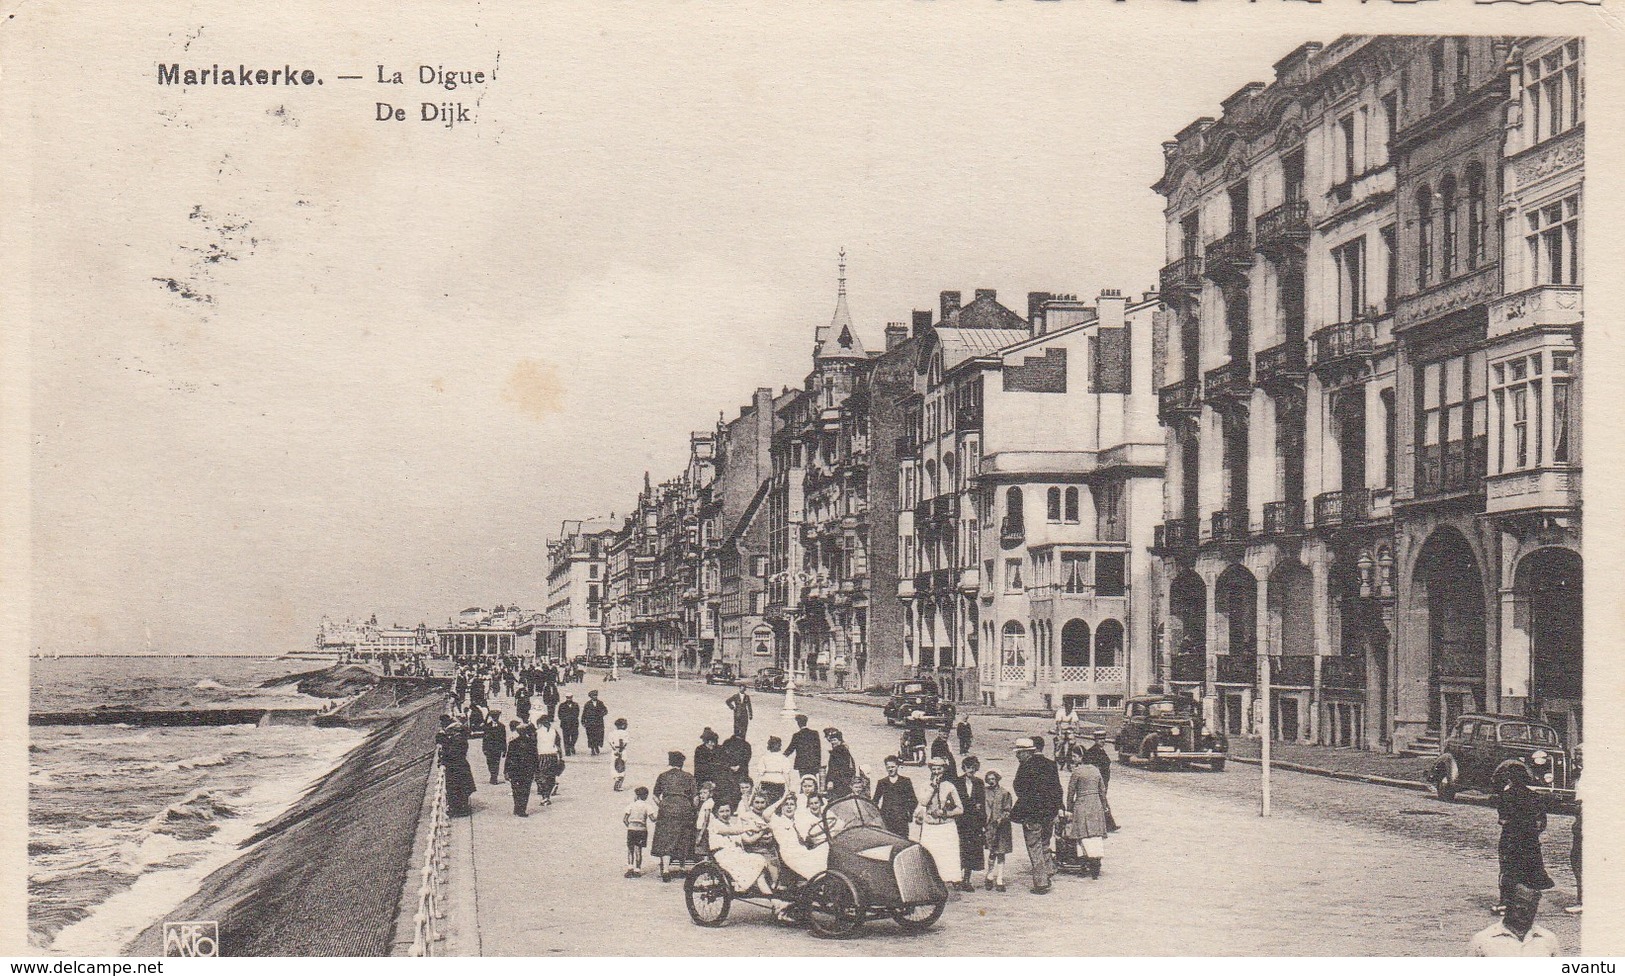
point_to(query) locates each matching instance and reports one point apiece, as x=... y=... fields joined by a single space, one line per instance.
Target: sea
x=123 y=822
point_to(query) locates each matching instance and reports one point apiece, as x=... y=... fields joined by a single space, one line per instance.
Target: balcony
x=1012 y=531
x=1544 y=306
x=1229 y=258
x=1179 y=400
x=1183 y=278
x=1238 y=668
x=968 y=419
x=1175 y=535
x=1281 y=368
x=1450 y=469
x=1292 y=670
x=1283 y=232
x=1188 y=668
x=1230 y=383
x=1554 y=490
x=1343 y=671
x=970 y=580
x=1344 y=344
x=1341 y=508
x=1283 y=518
x=1230 y=526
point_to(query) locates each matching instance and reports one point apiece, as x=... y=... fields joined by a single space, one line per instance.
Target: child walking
x=639 y=814
x=999 y=805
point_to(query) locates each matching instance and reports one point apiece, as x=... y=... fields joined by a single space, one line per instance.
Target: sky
x=288 y=361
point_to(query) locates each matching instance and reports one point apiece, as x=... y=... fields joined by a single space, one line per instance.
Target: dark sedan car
x=772 y=679
x=1481 y=748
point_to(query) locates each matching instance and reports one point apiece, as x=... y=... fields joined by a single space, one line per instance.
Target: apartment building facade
x=1333 y=264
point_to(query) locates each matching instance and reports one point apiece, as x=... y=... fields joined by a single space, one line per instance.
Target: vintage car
x=1166 y=730
x=872 y=874
x=651 y=667
x=1481 y=748
x=772 y=679
x=917 y=699
x=722 y=673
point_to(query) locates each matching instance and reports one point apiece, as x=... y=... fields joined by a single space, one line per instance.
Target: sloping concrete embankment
x=325 y=878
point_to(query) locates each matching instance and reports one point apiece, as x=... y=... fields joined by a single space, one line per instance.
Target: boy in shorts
x=639 y=814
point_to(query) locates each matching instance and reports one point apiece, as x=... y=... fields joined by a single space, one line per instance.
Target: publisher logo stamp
x=191 y=938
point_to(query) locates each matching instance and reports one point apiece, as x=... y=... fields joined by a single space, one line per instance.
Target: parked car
x=722 y=673
x=920 y=700
x=651 y=667
x=599 y=661
x=1167 y=729
x=872 y=873
x=1481 y=748
x=772 y=679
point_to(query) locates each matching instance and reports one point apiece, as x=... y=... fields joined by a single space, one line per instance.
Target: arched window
x=1450 y=235
x=1072 y=504
x=1424 y=238
x=1013 y=517
x=928 y=485
x=950 y=473
x=1014 y=649
x=1053 y=497
x=1108 y=644
x=1477 y=217
x=1075 y=644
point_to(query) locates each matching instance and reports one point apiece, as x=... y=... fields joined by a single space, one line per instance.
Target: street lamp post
x=790 y=682
x=1264 y=730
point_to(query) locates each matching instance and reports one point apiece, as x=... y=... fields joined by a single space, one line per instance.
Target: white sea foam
x=165 y=882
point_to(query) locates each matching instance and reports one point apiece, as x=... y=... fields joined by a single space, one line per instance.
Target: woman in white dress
x=939 y=832
x=728 y=835
x=803 y=851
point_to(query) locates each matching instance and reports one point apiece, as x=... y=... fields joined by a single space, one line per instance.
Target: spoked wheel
x=833 y=906
x=708 y=894
x=918 y=918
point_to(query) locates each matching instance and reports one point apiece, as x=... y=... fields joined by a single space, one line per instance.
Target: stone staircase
x=1427 y=744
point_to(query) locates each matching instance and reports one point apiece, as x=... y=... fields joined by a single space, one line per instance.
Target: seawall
x=325 y=877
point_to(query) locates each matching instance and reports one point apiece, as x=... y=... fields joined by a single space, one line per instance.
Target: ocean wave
x=209 y=684
x=192 y=818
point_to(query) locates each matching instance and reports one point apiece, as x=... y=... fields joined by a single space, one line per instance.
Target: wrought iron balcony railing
x=1230 y=526
x=1231 y=382
x=1228 y=258
x=1283 y=518
x=1183 y=277
x=1280 y=367
x=1283 y=231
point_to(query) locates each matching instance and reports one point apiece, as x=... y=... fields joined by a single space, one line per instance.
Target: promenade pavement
x=1339 y=869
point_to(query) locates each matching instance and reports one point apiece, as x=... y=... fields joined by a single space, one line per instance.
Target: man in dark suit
x=1038 y=799
x=894 y=795
x=570 y=723
x=592 y=720
x=805 y=749
x=743 y=712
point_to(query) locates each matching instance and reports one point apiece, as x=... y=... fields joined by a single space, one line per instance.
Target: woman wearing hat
x=842 y=767
x=939 y=833
x=1086 y=814
x=972 y=823
x=674 y=790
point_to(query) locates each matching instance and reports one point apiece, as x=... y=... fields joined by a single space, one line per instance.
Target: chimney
x=1151 y=296
x=1035 y=309
x=896 y=335
x=987 y=293
x=950 y=305
x=922 y=321
x=1111 y=305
